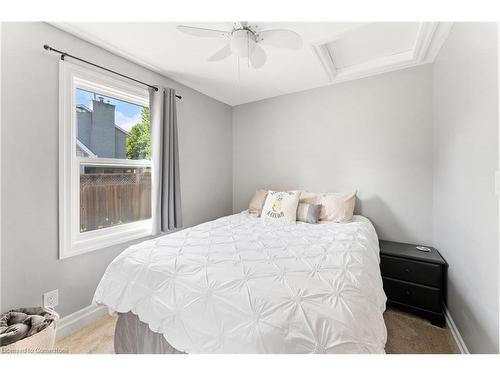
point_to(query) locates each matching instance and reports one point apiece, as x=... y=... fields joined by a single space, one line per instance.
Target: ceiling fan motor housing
x=242 y=42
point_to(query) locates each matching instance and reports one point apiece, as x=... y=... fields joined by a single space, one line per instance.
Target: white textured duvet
x=240 y=284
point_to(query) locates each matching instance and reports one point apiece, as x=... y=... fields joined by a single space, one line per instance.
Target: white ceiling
x=332 y=52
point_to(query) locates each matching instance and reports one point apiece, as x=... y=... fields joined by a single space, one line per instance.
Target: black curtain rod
x=64 y=54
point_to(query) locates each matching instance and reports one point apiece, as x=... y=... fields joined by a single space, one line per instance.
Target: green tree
x=139 y=139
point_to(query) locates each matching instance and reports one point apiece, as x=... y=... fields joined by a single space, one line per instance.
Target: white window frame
x=71 y=241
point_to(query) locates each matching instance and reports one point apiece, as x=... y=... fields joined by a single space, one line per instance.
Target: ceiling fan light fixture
x=242 y=43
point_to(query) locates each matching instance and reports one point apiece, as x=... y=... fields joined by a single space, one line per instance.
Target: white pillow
x=281 y=206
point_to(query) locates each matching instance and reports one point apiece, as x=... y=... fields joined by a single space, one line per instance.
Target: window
x=111 y=196
x=105 y=161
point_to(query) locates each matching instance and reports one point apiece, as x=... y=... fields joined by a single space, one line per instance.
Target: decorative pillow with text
x=281 y=206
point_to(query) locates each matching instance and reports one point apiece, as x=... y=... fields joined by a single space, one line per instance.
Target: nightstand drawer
x=412 y=294
x=410 y=270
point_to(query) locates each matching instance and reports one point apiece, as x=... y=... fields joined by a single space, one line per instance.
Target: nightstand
x=414 y=280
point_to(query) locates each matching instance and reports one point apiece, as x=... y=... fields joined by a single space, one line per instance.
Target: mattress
x=240 y=284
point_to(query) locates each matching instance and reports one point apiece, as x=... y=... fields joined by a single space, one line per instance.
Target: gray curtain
x=166 y=194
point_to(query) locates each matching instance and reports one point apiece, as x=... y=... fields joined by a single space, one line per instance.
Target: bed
x=240 y=284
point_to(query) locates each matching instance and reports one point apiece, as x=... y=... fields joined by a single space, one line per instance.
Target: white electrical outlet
x=51 y=298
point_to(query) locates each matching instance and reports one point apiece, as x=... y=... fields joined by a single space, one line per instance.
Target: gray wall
x=373 y=134
x=29 y=211
x=465 y=159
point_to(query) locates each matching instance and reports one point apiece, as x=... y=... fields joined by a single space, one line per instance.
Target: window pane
x=112 y=196
x=111 y=128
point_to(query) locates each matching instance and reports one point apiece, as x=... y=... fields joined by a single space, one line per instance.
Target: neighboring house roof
x=82 y=107
x=122 y=130
x=85 y=148
x=86 y=109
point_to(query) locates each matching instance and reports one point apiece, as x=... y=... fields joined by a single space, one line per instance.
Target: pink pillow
x=338 y=207
x=309 y=198
x=334 y=206
x=257 y=201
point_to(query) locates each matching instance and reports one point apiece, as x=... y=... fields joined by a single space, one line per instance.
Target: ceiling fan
x=244 y=41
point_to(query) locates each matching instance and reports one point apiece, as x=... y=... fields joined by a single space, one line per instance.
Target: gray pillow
x=308 y=213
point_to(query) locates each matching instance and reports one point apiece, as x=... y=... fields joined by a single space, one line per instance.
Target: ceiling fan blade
x=221 y=54
x=204 y=33
x=258 y=57
x=281 y=38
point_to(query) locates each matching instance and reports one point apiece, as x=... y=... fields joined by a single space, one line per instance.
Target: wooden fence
x=108 y=200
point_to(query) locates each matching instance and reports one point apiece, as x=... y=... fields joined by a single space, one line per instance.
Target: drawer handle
x=407 y=270
x=407 y=292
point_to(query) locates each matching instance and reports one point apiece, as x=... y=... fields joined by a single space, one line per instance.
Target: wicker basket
x=40 y=342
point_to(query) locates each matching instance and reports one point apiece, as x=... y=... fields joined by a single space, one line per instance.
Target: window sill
x=103 y=238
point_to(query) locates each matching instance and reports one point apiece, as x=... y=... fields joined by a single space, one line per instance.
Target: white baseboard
x=73 y=322
x=455 y=332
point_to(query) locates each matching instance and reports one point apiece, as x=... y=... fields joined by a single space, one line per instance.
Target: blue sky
x=126 y=114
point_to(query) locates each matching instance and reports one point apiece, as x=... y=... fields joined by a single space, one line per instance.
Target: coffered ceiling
x=331 y=52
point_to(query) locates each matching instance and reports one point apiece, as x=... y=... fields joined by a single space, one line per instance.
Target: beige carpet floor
x=406 y=334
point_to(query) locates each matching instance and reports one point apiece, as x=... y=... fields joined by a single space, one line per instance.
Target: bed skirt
x=134 y=337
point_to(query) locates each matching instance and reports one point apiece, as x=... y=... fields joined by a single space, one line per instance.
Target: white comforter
x=242 y=285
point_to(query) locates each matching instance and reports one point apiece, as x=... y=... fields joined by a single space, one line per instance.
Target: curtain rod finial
x=47 y=47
